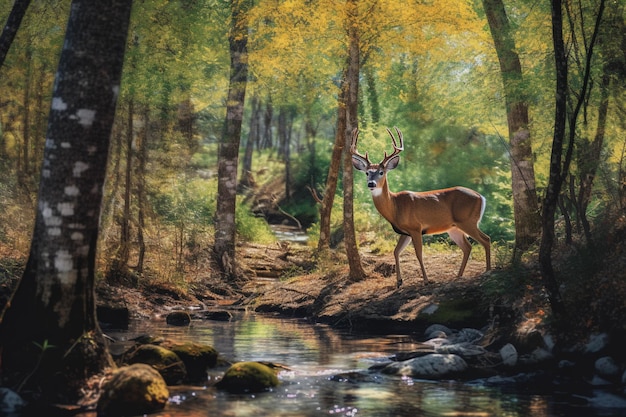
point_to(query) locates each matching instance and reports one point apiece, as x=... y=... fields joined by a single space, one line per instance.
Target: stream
x=327 y=376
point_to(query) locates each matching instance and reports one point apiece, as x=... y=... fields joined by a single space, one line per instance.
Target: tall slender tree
x=525 y=203
x=10 y=28
x=351 y=85
x=225 y=229
x=49 y=336
x=563 y=143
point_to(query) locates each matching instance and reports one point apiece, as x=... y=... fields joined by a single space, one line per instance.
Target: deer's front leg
x=402 y=244
x=417 y=244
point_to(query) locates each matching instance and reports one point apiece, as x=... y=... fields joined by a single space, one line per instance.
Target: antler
x=396 y=149
x=353 y=151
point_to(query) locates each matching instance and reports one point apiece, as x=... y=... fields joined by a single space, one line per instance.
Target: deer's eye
x=381 y=172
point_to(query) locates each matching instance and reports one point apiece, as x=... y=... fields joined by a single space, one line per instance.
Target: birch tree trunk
x=50 y=338
x=225 y=228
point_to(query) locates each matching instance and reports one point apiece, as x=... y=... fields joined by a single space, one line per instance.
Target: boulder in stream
x=166 y=362
x=178 y=318
x=245 y=377
x=197 y=357
x=433 y=366
x=133 y=390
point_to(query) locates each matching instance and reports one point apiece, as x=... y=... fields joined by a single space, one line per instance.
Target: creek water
x=328 y=376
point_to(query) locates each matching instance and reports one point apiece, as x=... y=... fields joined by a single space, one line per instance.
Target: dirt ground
x=285 y=278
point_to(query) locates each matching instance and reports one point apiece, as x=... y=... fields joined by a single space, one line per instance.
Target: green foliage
x=251 y=228
x=190 y=203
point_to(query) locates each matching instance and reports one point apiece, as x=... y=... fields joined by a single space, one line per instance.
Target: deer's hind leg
x=458 y=236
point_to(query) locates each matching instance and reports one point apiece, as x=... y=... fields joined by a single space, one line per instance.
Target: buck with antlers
x=456 y=210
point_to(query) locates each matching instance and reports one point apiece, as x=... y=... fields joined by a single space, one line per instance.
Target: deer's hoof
x=399 y=283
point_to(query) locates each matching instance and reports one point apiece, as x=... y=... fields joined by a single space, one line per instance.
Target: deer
x=412 y=214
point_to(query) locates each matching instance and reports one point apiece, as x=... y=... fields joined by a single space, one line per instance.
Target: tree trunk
x=554 y=180
x=333 y=175
x=50 y=338
x=351 y=105
x=10 y=29
x=525 y=204
x=267 y=139
x=285 y=123
x=142 y=160
x=225 y=229
x=247 y=179
x=559 y=166
x=24 y=174
x=123 y=251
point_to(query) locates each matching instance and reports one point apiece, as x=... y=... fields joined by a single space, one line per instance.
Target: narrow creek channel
x=328 y=375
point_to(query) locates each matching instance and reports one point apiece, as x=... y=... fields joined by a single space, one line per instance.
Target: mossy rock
x=133 y=390
x=168 y=363
x=178 y=318
x=245 y=377
x=196 y=357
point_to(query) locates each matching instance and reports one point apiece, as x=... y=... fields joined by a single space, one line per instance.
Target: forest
x=236 y=116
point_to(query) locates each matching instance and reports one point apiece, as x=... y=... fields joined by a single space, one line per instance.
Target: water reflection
x=316 y=355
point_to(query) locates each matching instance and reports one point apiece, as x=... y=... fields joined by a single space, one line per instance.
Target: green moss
x=169 y=365
x=196 y=357
x=248 y=377
x=133 y=390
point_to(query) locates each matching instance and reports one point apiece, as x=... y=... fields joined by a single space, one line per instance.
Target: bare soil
x=289 y=279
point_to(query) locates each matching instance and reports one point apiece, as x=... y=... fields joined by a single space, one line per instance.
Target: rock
x=178 y=318
x=468 y=336
x=464 y=350
x=133 y=390
x=169 y=365
x=196 y=357
x=420 y=351
x=10 y=402
x=433 y=366
x=606 y=367
x=218 y=315
x=509 y=355
x=244 y=377
x=437 y=342
x=430 y=309
x=603 y=399
x=436 y=330
x=598 y=381
x=597 y=343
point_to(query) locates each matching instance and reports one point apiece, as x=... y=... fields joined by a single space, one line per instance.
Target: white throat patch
x=376 y=192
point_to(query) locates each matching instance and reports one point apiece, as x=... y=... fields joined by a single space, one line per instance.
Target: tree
x=225 y=230
x=10 y=29
x=350 y=107
x=50 y=338
x=525 y=203
x=563 y=142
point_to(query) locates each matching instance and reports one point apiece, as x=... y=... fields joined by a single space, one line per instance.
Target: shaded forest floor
x=289 y=279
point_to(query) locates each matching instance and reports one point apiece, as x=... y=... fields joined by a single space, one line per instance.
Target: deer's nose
x=371 y=184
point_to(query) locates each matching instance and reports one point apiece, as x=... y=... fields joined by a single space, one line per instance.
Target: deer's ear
x=392 y=163
x=359 y=163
